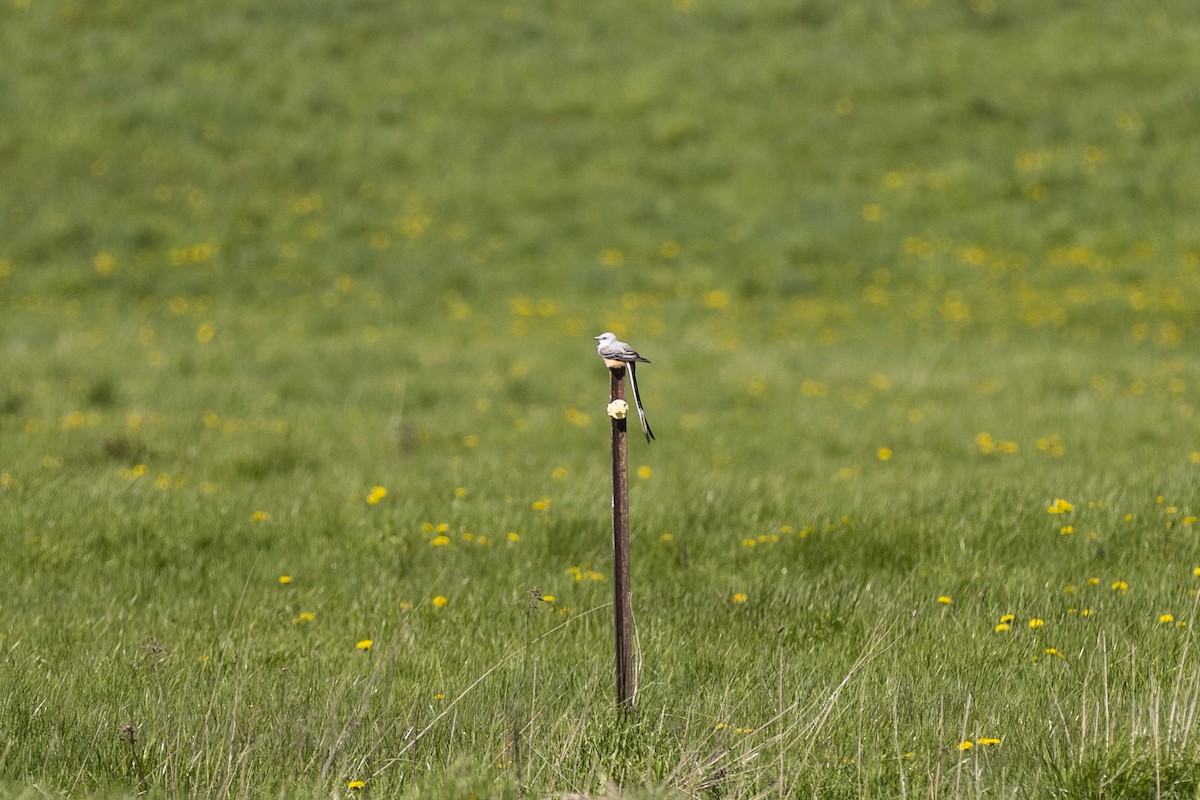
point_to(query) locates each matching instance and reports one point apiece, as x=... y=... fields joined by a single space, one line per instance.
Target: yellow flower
x=1059 y=506
x=439 y=541
x=716 y=299
x=440 y=601
x=285 y=579
x=305 y=616
x=513 y=536
x=376 y=494
x=884 y=453
x=355 y=785
x=1166 y=619
x=644 y=472
x=738 y=597
x=966 y=744
x=365 y=644
x=1008 y=618
x=1002 y=627
x=260 y=516
x=945 y=600
x=1036 y=623
x=1120 y=586
x=542 y=505
x=987 y=741
x=548 y=598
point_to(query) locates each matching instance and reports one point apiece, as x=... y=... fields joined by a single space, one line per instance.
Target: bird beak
x=597 y=338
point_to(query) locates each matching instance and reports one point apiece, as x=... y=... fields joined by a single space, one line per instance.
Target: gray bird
x=617 y=354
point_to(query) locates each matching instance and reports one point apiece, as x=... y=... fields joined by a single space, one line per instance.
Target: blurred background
x=307 y=290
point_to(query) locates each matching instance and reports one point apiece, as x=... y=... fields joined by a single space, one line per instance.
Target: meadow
x=304 y=477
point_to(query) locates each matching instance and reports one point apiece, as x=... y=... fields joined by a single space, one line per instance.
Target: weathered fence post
x=622 y=595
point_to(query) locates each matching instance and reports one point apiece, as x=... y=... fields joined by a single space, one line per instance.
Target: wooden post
x=622 y=596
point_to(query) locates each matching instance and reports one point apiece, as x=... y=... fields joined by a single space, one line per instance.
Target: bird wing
x=619 y=351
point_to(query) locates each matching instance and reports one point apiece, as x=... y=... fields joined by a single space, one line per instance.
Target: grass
x=910 y=274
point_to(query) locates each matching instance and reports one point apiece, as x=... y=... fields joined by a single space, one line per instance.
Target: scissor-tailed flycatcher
x=617 y=354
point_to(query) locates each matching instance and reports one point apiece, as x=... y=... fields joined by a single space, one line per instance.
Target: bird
x=617 y=355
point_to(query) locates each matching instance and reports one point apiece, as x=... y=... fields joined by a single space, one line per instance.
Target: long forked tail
x=637 y=399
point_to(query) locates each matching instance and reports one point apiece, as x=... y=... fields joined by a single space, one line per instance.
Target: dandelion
x=644 y=472
x=513 y=537
x=285 y=579
x=965 y=745
x=738 y=597
x=542 y=504
x=1059 y=506
x=1166 y=619
x=1120 y=586
x=716 y=299
x=440 y=601
x=1053 y=651
x=376 y=494
x=355 y=785
x=1006 y=618
x=305 y=616
x=611 y=257
x=945 y=600
x=1036 y=623
x=987 y=741
x=365 y=644
x=548 y=598
x=1002 y=627
x=439 y=541
x=884 y=454
x=1067 y=530
x=260 y=516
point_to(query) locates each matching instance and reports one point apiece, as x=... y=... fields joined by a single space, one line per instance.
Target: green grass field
x=304 y=477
